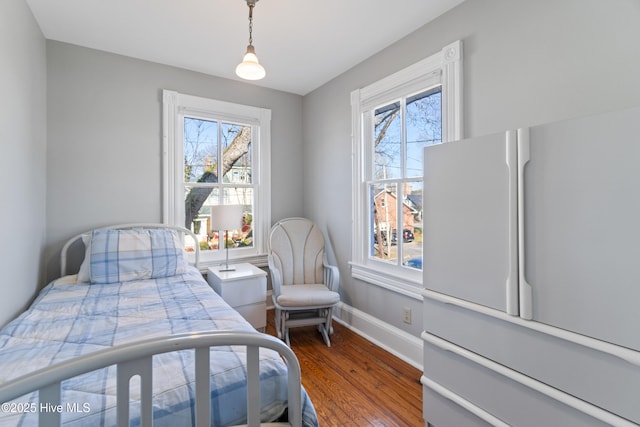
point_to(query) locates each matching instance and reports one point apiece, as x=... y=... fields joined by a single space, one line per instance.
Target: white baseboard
x=396 y=341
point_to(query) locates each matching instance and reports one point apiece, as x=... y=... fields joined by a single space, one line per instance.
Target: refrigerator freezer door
x=469 y=220
x=582 y=225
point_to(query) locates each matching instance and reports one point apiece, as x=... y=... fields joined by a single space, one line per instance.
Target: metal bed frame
x=136 y=359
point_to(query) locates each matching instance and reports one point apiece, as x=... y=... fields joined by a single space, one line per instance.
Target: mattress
x=68 y=320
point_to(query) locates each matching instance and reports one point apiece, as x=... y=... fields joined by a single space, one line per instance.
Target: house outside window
x=393 y=120
x=216 y=153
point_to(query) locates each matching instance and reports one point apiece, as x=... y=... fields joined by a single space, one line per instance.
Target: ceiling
x=301 y=43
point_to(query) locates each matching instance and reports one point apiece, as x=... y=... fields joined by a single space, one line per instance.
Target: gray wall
x=104 y=136
x=525 y=62
x=22 y=162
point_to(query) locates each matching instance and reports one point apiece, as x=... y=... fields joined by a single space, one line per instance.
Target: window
x=217 y=153
x=393 y=120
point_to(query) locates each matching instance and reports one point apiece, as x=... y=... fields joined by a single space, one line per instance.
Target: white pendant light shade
x=250 y=68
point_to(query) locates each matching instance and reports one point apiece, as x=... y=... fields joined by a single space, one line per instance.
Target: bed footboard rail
x=136 y=359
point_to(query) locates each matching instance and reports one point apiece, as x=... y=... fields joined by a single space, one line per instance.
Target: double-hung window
x=393 y=120
x=217 y=153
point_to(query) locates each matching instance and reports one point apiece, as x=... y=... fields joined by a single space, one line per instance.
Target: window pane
x=244 y=197
x=200 y=148
x=424 y=127
x=412 y=225
x=198 y=201
x=383 y=221
x=387 y=142
x=236 y=149
x=200 y=166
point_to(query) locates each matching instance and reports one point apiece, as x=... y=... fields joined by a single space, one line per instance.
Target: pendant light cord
x=251 y=24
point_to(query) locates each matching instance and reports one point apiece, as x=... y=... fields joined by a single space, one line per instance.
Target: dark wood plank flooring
x=354 y=382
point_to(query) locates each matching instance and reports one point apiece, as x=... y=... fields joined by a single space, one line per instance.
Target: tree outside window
x=213 y=149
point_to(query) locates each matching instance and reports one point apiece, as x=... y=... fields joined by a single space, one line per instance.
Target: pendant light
x=250 y=68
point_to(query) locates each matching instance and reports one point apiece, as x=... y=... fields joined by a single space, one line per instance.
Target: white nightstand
x=244 y=289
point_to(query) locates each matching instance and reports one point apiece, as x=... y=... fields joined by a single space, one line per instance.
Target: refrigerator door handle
x=512 y=278
x=524 y=288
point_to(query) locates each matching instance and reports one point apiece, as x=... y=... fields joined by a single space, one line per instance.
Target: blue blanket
x=69 y=320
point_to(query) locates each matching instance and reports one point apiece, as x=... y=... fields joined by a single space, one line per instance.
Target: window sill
x=407 y=286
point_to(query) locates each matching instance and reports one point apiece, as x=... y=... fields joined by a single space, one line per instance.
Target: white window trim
x=175 y=107
x=444 y=68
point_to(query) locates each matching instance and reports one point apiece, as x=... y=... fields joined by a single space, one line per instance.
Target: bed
x=138 y=337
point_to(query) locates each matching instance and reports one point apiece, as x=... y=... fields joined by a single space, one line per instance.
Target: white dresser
x=244 y=289
x=531 y=280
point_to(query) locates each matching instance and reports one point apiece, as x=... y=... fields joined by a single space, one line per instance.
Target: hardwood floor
x=354 y=382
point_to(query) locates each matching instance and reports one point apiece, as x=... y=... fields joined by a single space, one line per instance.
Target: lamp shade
x=250 y=68
x=226 y=217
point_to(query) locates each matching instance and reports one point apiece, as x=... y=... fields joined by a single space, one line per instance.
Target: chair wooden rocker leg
x=326 y=328
x=321 y=317
x=277 y=322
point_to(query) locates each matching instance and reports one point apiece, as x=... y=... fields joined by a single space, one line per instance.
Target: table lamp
x=225 y=218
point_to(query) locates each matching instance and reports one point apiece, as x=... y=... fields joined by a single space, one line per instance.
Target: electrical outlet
x=407 y=315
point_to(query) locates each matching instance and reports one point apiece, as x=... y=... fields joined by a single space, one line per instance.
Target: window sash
x=176 y=107
x=443 y=68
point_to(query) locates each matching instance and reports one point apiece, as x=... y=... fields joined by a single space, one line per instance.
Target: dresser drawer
x=513 y=398
x=246 y=291
x=246 y=284
x=440 y=410
x=595 y=376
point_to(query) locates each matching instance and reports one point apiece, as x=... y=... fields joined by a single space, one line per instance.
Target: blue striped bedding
x=69 y=320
